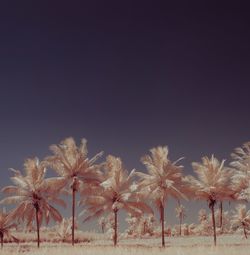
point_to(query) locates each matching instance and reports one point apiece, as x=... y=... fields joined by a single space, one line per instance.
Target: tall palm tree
x=241 y=178
x=213 y=183
x=164 y=179
x=72 y=164
x=114 y=193
x=241 y=158
x=180 y=214
x=33 y=194
x=241 y=218
x=6 y=223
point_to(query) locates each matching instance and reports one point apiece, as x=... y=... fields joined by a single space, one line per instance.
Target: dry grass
x=229 y=245
x=50 y=236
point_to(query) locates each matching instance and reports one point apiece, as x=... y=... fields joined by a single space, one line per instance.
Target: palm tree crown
x=180 y=211
x=63 y=230
x=241 y=158
x=202 y=215
x=213 y=180
x=164 y=178
x=71 y=162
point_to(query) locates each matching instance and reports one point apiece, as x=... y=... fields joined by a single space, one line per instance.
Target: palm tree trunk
x=73 y=215
x=1 y=237
x=213 y=220
x=180 y=223
x=221 y=214
x=245 y=232
x=162 y=225
x=37 y=226
x=115 y=228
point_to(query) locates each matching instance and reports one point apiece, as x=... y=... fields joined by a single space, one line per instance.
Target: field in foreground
x=229 y=245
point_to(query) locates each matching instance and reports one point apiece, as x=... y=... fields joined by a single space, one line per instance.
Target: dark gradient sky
x=125 y=76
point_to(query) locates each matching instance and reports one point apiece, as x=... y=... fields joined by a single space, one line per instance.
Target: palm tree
x=241 y=178
x=241 y=158
x=63 y=230
x=133 y=225
x=32 y=195
x=241 y=218
x=164 y=179
x=140 y=226
x=202 y=215
x=212 y=184
x=72 y=164
x=6 y=223
x=114 y=193
x=180 y=213
x=102 y=223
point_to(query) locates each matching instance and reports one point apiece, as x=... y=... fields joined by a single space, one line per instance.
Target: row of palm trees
x=108 y=187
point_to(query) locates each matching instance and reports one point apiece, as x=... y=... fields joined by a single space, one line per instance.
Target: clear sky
x=127 y=76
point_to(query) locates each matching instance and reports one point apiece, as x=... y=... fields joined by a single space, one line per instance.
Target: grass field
x=228 y=245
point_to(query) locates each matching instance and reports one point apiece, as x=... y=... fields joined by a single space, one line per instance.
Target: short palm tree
x=241 y=218
x=102 y=223
x=212 y=184
x=140 y=226
x=33 y=194
x=72 y=164
x=63 y=230
x=6 y=223
x=202 y=215
x=114 y=193
x=180 y=214
x=164 y=179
